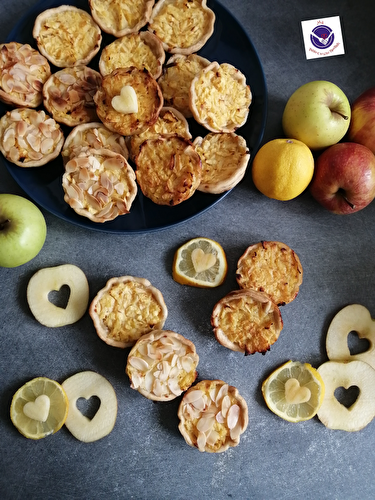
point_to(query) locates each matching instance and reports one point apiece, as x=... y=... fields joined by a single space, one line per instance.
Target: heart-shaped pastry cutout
x=126 y=102
x=353 y=318
x=294 y=393
x=201 y=260
x=38 y=409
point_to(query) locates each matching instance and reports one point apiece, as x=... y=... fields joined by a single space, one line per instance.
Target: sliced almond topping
x=201 y=441
x=233 y=416
x=138 y=363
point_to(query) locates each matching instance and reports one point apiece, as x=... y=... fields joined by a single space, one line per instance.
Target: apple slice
x=51 y=279
x=335 y=415
x=352 y=318
x=86 y=385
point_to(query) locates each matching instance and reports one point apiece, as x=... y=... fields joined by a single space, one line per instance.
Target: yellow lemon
x=200 y=262
x=283 y=168
x=39 y=408
x=294 y=391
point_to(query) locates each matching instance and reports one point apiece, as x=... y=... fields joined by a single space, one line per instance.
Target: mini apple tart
x=169 y=123
x=30 y=138
x=224 y=159
x=23 y=72
x=142 y=50
x=168 y=170
x=220 y=98
x=92 y=135
x=246 y=321
x=69 y=93
x=176 y=79
x=213 y=415
x=121 y=17
x=162 y=365
x=127 y=308
x=128 y=101
x=183 y=26
x=271 y=267
x=67 y=36
x=99 y=185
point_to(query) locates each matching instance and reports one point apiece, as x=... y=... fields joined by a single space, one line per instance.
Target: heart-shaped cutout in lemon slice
x=38 y=409
x=201 y=260
x=294 y=393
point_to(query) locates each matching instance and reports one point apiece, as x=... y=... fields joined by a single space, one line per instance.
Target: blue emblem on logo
x=322 y=37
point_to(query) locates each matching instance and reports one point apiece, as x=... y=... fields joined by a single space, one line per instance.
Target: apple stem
x=351 y=205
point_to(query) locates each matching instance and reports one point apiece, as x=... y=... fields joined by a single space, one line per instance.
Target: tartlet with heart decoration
x=200 y=262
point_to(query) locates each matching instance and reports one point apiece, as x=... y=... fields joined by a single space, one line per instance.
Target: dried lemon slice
x=39 y=408
x=200 y=262
x=294 y=391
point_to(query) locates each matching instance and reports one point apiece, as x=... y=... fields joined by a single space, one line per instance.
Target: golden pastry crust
x=162 y=365
x=224 y=159
x=121 y=17
x=30 y=138
x=175 y=82
x=168 y=170
x=92 y=135
x=127 y=308
x=271 y=267
x=170 y=122
x=99 y=185
x=69 y=93
x=141 y=50
x=23 y=72
x=220 y=98
x=213 y=415
x=67 y=36
x=246 y=321
x=149 y=97
x=183 y=26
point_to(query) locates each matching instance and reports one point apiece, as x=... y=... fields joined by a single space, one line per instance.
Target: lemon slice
x=39 y=408
x=294 y=391
x=200 y=262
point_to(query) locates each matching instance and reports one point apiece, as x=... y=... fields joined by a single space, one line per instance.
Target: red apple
x=344 y=178
x=362 y=124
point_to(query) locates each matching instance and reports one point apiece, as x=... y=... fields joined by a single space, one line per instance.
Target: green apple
x=22 y=230
x=318 y=114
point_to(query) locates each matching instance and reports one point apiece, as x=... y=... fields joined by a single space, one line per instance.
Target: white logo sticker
x=323 y=37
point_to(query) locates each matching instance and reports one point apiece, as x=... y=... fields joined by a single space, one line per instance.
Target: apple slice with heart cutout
x=51 y=279
x=352 y=318
x=336 y=374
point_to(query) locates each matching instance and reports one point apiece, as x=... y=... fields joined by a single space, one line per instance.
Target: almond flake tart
x=127 y=308
x=175 y=82
x=168 y=170
x=23 y=72
x=67 y=36
x=246 y=321
x=93 y=135
x=30 y=138
x=121 y=17
x=162 y=365
x=108 y=100
x=213 y=415
x=69 y=93
x=220 y=98
x=99 y=185
x=224 y=159
x=271 y=267
x=183 y=26
x=142 y=50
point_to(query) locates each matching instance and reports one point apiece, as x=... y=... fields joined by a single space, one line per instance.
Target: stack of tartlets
x=134 y=100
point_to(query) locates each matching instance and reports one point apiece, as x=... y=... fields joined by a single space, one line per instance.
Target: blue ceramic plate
x=230 y=44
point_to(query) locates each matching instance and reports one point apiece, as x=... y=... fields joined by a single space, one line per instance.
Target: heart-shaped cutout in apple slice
x=87 y=385
x=202 y=261
x=38 y=409
x=53 y=279
x=352 y=318
x=336 y=374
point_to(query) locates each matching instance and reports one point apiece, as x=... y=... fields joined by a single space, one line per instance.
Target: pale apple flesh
x=22 y=230
x=318 y=113
x=362 y=125
x=344 y=178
